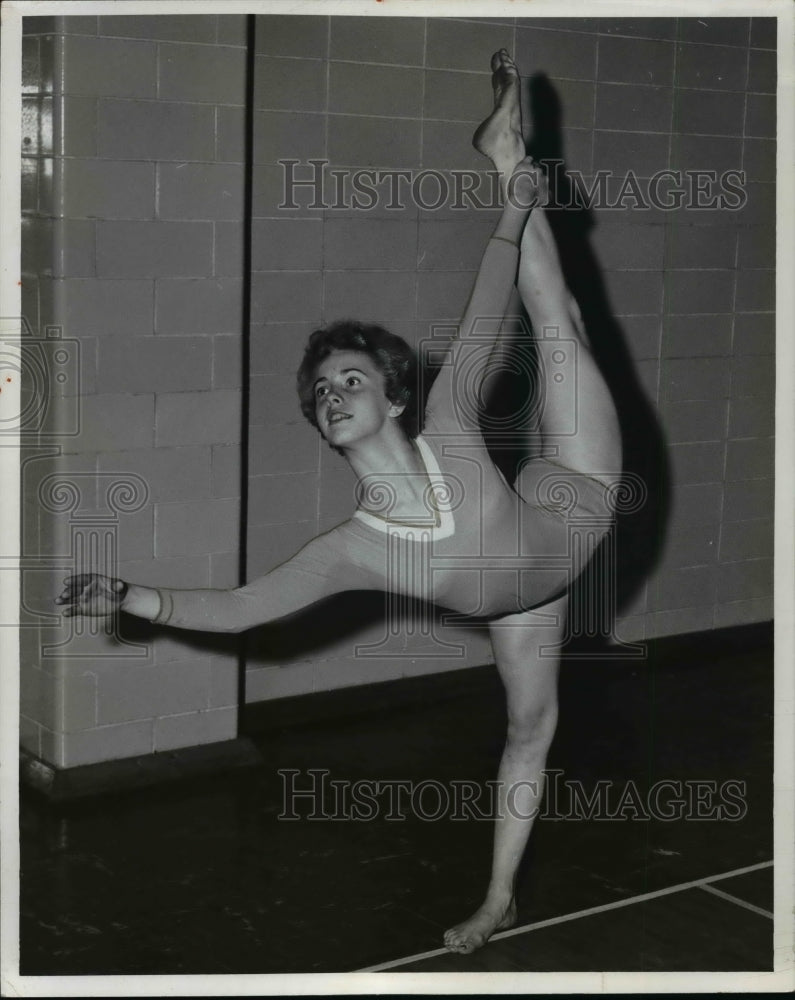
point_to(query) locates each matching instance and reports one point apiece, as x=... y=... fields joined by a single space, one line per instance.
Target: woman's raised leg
x=581 y=423
x=595 y=446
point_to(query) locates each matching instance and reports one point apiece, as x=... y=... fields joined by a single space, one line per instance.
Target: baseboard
x=63 y=785
x=361 y=700
x=327 y=707
x=722 y=641
x=69 y=784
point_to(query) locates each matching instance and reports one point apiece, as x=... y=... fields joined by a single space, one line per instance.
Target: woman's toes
x=454 y=940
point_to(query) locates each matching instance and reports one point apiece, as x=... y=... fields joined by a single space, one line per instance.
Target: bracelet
x=166 y=608
x=502 y=239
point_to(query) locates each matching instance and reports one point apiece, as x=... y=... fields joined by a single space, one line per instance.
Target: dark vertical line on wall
x=248 y=211
x=732 y=342
x=324 y=318
x=669 y=225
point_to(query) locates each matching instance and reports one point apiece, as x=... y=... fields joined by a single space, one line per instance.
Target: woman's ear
x=395 y=409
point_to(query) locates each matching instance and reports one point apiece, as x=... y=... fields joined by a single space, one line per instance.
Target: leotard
x=483 y=549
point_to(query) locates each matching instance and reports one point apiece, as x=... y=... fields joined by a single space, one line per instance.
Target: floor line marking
x=737 y=901
x=564 y=918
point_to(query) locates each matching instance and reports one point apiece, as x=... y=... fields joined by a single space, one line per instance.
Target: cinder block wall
x=681 y=300
x=133 y=245
x=133 y=158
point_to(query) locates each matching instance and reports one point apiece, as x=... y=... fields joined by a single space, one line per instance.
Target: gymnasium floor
x=203 y=877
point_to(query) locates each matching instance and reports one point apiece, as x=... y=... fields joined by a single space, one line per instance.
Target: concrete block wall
x=133 y=247
x=689 y=292
x=133 y=178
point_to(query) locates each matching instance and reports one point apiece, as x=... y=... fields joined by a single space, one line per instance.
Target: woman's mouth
x=337 y=417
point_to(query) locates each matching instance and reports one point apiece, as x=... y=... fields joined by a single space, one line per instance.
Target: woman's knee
x=532 y=726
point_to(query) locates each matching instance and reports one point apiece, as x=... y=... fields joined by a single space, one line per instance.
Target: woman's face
x=350 y=402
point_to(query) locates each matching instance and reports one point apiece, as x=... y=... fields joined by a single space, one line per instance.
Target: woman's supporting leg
x=587 y=441
x=529 y=675
x=592 y=452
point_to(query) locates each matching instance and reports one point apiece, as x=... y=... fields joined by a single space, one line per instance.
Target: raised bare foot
x=500 y=135
x=472 y=934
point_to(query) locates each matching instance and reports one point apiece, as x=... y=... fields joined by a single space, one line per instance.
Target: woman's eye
x=320 y=391
x=353 y=380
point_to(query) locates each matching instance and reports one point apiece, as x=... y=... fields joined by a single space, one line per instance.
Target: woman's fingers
x=76 y=588
x=73 y=600
x=527 y=185
x=90 y=594
x=74 y=585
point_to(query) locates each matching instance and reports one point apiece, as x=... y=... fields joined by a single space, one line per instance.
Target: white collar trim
x=445 y=523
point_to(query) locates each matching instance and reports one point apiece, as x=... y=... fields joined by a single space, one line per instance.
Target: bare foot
x=500 y=136
x=466 y=937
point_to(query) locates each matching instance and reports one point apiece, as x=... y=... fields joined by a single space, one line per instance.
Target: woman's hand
x=92 y=595
x=527 y=185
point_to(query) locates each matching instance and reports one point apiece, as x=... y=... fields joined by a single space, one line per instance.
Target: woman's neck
x=393 y=480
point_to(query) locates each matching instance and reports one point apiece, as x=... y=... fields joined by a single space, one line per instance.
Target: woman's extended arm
x=326 y=566
x=487 y=305
x=497 y=272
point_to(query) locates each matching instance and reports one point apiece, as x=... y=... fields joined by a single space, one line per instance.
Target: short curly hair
x=392 y=356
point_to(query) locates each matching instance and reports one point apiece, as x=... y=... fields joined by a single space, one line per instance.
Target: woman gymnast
x=453 y=531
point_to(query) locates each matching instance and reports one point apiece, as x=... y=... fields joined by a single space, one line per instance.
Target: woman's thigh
x=548 y=484
x=527 y=653
x=564 y=518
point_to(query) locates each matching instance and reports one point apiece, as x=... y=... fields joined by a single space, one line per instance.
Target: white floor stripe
x=605 y=907
x=737 y=901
